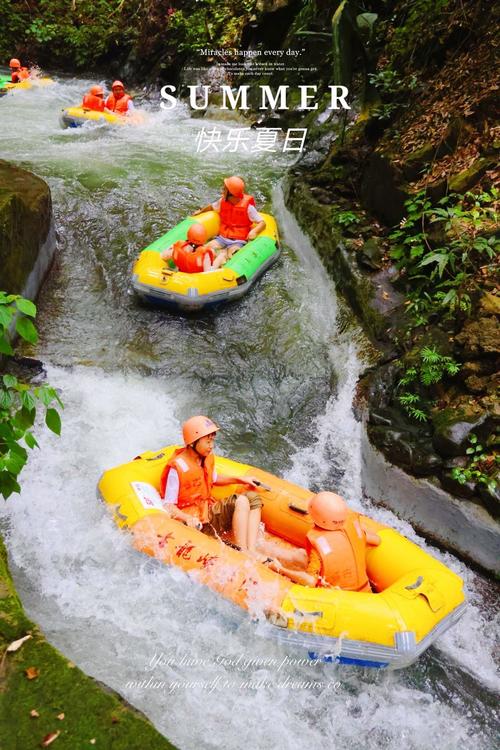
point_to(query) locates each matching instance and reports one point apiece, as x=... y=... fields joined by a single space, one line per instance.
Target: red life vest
x=120 y=106
x=343 y=554
x=190 y=262
x=93 y=102
x=234 y=221
x=195 y=482
x=20 y=75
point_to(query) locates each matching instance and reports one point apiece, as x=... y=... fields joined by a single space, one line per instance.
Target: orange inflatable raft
x=417 y=597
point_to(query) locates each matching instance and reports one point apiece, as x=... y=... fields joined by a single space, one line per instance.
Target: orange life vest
x=234 y=221
x=195 y=482
x=20 y=75
x=190 y=262
x=120 y=106
x=93 y=102
x=343 y=554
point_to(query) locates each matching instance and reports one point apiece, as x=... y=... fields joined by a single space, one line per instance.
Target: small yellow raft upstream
x=29 y=83
x=417 y=597
x=75 y=117
x=161 y=283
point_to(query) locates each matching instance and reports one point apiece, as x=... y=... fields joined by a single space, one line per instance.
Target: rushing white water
x=278 y=370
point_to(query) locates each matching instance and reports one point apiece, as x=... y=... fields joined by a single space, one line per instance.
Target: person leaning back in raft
x=191 y=255
x=118 y=101
x=336 y=547
x=237 y=215
x=17 y=72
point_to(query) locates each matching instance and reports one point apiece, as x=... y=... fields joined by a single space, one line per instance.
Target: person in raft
x=118 y=101
x=237 y=215
x=17 y=72
x=191 y=255
x=336 y=546
x=94 y=99
x=186 y=488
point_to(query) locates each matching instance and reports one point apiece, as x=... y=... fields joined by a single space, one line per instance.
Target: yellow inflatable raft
x=159 y=282
x=75 y=117
x=29 y=83
x=417 y=598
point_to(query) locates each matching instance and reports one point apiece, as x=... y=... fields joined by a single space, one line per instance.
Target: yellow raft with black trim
x=75 y=117
x=161 y=283
x=417 y=597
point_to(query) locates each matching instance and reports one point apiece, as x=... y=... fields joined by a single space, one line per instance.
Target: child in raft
x=186 y=490
x=336 y=547
x=191 y=255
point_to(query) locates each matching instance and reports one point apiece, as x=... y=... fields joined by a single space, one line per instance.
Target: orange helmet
x=117 y=85
x=328 y=510
x=196 y=428
x=14 y=63
x=197 y=234
x=235 y=185
x=97 y=91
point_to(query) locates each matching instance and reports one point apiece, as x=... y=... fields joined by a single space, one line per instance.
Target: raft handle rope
x=415 y=585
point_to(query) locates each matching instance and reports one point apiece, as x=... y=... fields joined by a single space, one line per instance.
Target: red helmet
x=97 y=91
x=235 y=185
x=117 y=85
x=197 y=234
x=14 y=63
x=328 y=510
x=196 y=428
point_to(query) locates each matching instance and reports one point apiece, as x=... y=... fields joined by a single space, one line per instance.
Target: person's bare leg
x=240 y=521
x=253 y=528
x=288 y=557
x=219 y=260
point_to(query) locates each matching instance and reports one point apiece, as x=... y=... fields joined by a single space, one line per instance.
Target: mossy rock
x=66 y=701
x=466 y=179
x=25 y=216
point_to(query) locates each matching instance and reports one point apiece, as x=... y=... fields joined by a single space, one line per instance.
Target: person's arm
x=222 y=481
x=167 y=253
x=210 y=207
x=130 y=106
x=297 y=576
x=256 y=230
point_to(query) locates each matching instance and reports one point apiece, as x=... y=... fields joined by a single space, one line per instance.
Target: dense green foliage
x=482 y=467
x=18 y=401
x=429 y=369
x=83 y=33
x=444 y=251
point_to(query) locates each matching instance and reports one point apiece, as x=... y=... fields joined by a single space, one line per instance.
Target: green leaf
x=6 y=314
x=26 y=306
x=9 y=381
x=8 y=484
x=30 y=440
x=28 y=401
x=6 y=399
x=27 y=330
x=53 y=421
x=5 y=347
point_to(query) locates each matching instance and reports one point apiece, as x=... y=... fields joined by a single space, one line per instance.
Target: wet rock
x=489 y=304
x=382 y=189
x=452 y=428
x=406 y=449
x=479 y=337
x=370 y=254
x=491 y=499
x=485 y=384
x=25 y=220
x=455 y=488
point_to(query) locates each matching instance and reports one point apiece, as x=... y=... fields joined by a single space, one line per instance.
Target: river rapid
x=277 y=371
